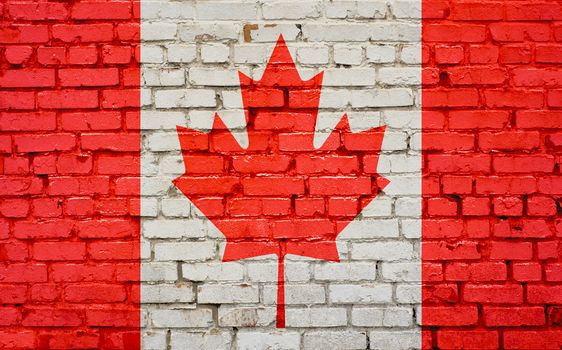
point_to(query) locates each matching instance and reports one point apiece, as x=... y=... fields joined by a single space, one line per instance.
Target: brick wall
x=369 y=52
x=69 y=145
x=492 y=181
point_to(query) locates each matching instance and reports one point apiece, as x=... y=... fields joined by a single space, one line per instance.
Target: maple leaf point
x=280 y=195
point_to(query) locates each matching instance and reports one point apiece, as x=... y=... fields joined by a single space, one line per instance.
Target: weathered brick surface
x=69 y=256
x=370 y=54
x=491 y=234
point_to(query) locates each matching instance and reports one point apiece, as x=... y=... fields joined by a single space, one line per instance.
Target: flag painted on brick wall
x=280 y=174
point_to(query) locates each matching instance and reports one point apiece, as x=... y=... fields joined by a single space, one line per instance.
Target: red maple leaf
x=280 y=195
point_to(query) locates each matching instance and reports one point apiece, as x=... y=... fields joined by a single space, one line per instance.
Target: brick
x=450 y=316
x=88 y=77
x=66 y=99
x=86 y=33
x=111 y=11
x=24 y=33
x=59 y=251
x=94 y=293
x=51 y=318
x=511 y=250
x=24 y=78
x=37 y=12
x=509 y=294
x=468 y=339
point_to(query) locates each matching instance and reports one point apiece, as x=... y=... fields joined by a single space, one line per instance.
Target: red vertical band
x=492 y=252
x=69 y=165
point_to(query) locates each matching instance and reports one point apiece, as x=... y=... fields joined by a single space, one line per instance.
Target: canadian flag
x=280 y=174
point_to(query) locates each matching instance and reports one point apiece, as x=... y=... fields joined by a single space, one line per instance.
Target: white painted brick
x=345 y=271
x=149 y=207
x=406 y=8
x=185 y=251
x=181 y=318
x=313 y=54
x=249 y=54
x=348 y=54
x=411 y=54
x=234 y=316
x=360 y=294
x=349 y=77
x=399 y=76
x=164 y=272
x=316 y=317
x=412 y=228
x=279 y=340
x=402 y=119
x=398 y=272
x=386 y=251
x=155 y=186
x=211 y=340
x=167 y=120
x=171 y=228
x=159 y=31
x=172 y=165
x=408 y=293
x=398 y=317
x=381 y=53
x=269 y=33
x=405 y=163
x=145 y=97
x=231 y=10
x=178 y=53
x=213 y=271
x=213 y=77
x=382 y=97
x=227 y=294
x=395 y=31
x=153 y=340
x=396 y=340
x=168 y=293
x=152 y=54
x=294 y=9
x=214 y=53
x=409 y=207
x=371 y=9
x=296 y=294
x=355 y=9
x=341 y=9
x=146 y=251
x=367 y=316
x=267 y=272
x=175 y=207
x=205 y=31
x=163 y=77
x=404 y=185
x=166 y=10
x=335 y=340
x=232 y=99
x=185 y=98
x=162 y=141
x=336 y=32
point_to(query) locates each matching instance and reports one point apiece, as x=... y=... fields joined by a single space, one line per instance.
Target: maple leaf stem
x=281 y=288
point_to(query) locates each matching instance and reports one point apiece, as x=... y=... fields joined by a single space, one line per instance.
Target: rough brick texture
x=69 y=226
x=492 y=230
x=369 y=53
